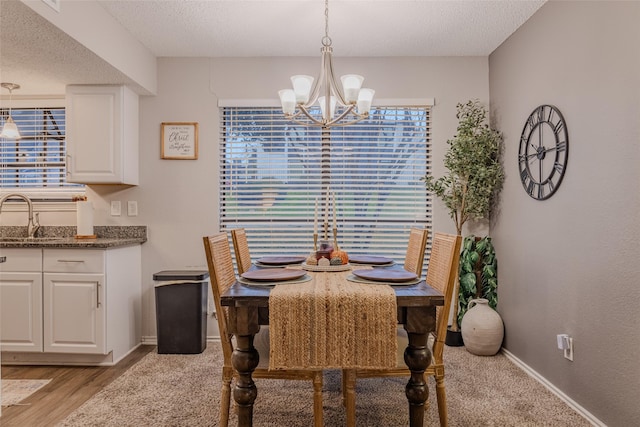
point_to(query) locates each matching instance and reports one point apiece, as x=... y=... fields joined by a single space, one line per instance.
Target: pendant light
x=10 y=129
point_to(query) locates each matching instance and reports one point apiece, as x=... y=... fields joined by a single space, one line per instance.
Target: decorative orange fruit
x=344 y=257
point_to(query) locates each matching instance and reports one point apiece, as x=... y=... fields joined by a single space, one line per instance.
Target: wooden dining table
x=249 y=308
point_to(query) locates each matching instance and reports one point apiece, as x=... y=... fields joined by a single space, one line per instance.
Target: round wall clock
x=544 y=150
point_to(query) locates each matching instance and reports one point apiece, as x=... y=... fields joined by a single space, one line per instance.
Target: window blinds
x=37 y=160
x=273 y=171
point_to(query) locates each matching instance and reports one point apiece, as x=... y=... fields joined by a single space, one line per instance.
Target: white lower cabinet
x=82 y=302
x=74 y=301
x=21 y=300
x=74 y=315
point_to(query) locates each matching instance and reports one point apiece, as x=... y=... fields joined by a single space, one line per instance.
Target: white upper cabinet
x=102 y=135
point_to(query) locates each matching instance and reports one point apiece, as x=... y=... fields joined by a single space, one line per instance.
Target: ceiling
x=35 y=54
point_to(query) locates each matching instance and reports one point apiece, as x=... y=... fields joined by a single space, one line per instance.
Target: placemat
x=305 y=278
x=331 y=323
x=370 y=260
x=281 y=260
x=386 y=275
x=356 y=279
x=272 y=275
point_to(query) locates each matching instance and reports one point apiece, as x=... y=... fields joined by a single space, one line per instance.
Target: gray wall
x=569 y=264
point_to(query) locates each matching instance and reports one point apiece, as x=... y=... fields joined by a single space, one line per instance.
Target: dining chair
x=441 y=275
x=415 y=250
x=241 y=249
x=222 y=276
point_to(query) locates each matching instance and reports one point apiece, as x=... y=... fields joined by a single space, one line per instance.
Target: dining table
x=249 y=308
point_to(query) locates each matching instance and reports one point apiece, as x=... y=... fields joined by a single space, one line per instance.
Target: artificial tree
x=475 y=174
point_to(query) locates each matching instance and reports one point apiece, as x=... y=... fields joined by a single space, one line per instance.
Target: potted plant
x=474 y=179
x=478 y=273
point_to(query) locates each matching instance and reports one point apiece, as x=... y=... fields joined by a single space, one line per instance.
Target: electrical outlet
x=116 y=208
x=565 y=343
x=568 y=351
x=132 y=208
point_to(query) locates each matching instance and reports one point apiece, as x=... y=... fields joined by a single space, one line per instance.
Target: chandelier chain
x=326 y=40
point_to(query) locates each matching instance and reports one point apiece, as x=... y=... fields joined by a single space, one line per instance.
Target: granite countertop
x=64 y=237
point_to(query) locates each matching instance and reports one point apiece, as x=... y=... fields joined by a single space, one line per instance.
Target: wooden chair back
x=414 y=258
x=441 y=275
x=222 y=276
x=241 y=249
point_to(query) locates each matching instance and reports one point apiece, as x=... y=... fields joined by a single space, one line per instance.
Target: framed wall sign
x=179 y=141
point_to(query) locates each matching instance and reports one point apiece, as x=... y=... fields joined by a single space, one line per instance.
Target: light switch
x=132 y=208
x=116 y=208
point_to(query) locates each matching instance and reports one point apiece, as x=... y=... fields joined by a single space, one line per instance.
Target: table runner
x=332 y=323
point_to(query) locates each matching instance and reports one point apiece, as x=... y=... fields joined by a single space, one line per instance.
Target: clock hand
x=540 y=171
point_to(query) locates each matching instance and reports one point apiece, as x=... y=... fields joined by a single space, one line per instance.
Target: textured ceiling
x=42 y=59
x=295 y=27
x=34 y=53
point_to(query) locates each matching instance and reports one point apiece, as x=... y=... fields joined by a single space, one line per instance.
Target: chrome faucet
x=32 y=225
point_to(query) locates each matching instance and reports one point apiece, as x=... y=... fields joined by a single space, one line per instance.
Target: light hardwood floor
x=69 y=388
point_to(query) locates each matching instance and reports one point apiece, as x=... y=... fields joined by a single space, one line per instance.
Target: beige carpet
x=174 y=390
x=15 y=391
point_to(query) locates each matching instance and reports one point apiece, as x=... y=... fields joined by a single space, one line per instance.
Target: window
x=272 y=171
x=35 y=164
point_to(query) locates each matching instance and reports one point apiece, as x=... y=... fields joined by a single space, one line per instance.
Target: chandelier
x=353 y=101
x=10 y=129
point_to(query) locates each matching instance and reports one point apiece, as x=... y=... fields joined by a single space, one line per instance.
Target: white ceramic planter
x=482 y=329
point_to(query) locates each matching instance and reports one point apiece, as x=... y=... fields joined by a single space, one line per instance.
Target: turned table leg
x=245 y=358
x=417 y=356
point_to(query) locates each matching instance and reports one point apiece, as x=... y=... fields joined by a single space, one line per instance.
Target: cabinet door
x=102 y=135
x=21 y=312
x=74 y=313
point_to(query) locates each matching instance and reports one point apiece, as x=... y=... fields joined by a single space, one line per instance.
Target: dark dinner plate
x=385 y=275
x=273 y=274
x=369 y=259
x=281 y=260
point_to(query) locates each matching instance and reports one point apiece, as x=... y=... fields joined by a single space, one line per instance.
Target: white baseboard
x=153 y=340
x=553 y=389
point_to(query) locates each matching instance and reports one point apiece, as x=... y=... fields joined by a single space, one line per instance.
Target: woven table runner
x=332 y=323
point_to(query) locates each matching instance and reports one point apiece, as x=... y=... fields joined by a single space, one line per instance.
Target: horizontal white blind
x=272 y=171
x=37 y=160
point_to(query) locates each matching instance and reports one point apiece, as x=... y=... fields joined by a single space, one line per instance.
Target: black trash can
x=181 y=311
